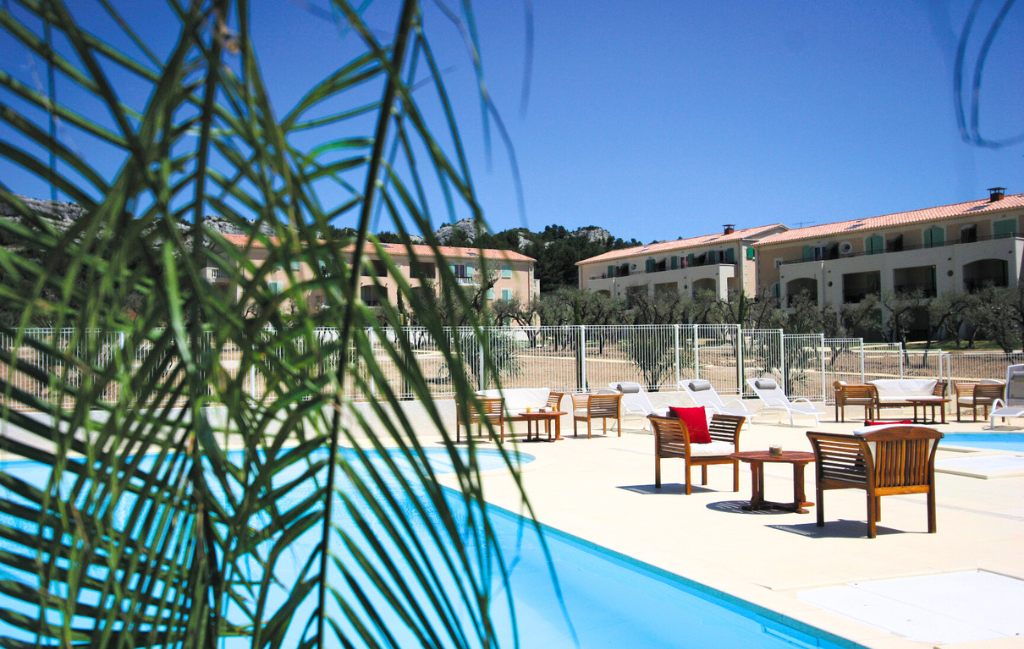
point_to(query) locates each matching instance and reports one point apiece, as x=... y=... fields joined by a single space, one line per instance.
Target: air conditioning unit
x=846 y=247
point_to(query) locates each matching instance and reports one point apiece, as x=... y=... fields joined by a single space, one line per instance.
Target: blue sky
x=658 y=120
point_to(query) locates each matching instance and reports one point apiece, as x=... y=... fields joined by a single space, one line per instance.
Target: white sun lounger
x=774 y=398
x=704 y=394
x=636 y=401
x=1012 y=403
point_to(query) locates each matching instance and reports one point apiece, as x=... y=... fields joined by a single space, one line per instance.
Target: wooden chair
x=672 y=439
x=490 y=409
x=972 y=396
x=555 y=400
x=885 y=462
x=587 y=407
x=854 y=395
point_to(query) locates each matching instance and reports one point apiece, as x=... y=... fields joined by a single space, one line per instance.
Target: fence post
x=784 y=365
x=862 y=361
x=676 y=335
x=696 y=352
x=481 y=379
x=583 y=357
x=824 y=388
x=902 y=351
x=739 y=360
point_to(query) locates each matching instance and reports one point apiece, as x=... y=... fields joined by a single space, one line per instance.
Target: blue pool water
x=607 y=599
x=997 y=441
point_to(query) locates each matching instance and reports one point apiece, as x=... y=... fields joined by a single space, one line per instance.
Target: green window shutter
x=934 y=237
x=689 y=259
x=506 y=272
x=490 y=294
x=506 y=294
x=611 y=271
x=469 y=271
x=649 y=266
x=874 y=244
x=1004 y=229
x=776 y=290
x=296 y=265
x=808 y=253
x=750 y=253
x=730 y=255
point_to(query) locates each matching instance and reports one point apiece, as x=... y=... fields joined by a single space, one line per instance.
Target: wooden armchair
x=972 y=396
x=672 y=439
x=855 y=395
x=886 y=462
x=555 y=400
x=604 y=406
x=491 y=409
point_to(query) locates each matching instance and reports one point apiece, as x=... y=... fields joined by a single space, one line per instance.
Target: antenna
x=801 y=224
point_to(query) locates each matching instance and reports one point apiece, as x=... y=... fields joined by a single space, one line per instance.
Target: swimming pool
x=609 y=599
x=996 y=441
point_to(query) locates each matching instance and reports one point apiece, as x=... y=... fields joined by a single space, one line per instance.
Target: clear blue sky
x=657 y=120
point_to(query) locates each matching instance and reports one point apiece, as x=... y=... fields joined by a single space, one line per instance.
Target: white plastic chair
x=774 y=398
x=636 y=401
x=704 y=394
x=1012 y=403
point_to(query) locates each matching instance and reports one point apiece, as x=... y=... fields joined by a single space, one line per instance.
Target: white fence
x=52 y=366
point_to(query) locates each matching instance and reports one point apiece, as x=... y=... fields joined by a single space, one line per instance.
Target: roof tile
x=681 y=244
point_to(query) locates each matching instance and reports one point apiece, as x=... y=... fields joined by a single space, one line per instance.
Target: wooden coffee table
x=924 y=403
x=756 y=459
x=546 y=417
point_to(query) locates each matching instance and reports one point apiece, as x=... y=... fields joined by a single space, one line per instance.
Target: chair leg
x=657 y=472
x=689 y=488
x=820 y=505
x=932 y=523
x=735 y=476
x=871 y=516
x=704 y=474
x=588 y=429
x=878 y=508
x=620 y=426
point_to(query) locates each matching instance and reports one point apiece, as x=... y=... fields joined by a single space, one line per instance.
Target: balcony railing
x=216 y=275
x=905 y=248
x=467 y=281
x=978 y=283
x=849 y=297
x=927 y=289
x=663 y=270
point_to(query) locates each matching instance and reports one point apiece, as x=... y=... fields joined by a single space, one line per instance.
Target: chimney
x=995 y=194
x=729 y=229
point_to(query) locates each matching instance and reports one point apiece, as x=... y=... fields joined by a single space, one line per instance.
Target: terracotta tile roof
x=682 y=244
x=940 y=213
x=449 y=252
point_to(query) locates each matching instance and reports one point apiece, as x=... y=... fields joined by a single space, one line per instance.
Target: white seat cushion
x=892 y=389
x=714 y=448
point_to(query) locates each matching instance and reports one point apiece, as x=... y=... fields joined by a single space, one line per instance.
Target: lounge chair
x=774 y=398
x=597 y=405
x=882 y=460
x=672 y=439
x=704 y=394
x=636 y=401
x=978 y=396
x=1012 y=403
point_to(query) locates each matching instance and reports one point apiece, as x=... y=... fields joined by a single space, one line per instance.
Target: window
x=506 y=272
x=674 y=261
x=506 y=294
x=1004 y=229
x=377 y=268
x=934 y=237
x=296 y=265
x=275 y=287
x=969 y=234
x=730 y=256
x=462 y=271
x=649 y=266
x=490 y=294
x=373 y=295
x=776 y=290
x=874 y=245
x=422 y=270
x=750 y=253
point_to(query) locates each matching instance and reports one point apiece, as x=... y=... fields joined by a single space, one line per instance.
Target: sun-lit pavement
x=602 y=490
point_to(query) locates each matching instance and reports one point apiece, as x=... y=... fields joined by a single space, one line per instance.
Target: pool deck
x=602 y=489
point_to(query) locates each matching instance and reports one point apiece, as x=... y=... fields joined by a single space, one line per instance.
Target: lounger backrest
x=1015 y=385
x=633 y=394
x=768 y=388
x=702 y=393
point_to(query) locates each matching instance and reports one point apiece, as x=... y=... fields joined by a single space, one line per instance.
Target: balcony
x=904 y=248
x=467 y=281
x=661 y=267
x=926 y=289
x=216 y=275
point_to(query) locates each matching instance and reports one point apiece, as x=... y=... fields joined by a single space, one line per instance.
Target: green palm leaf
x=199 y=474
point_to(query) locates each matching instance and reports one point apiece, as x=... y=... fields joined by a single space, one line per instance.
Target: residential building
x=513 y=272
x=714 y=262
x=963 y=246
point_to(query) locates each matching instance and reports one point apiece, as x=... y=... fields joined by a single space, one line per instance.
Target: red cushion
x=886 y=423
x=696 y=423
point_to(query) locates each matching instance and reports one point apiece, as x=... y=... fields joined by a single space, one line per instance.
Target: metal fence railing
x=51 y=366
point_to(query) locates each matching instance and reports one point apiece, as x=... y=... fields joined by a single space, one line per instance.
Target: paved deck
x=602 y=490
